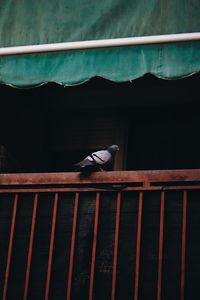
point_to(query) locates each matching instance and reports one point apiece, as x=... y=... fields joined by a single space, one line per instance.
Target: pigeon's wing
x=100 y=157
x=96 y=159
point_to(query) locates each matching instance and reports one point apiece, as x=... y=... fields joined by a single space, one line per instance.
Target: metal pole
x=106 y=43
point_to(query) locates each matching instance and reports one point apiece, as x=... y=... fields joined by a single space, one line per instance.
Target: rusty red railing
x=72 y=199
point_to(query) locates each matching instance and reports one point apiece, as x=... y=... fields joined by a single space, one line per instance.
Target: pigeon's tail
x=78 y=167
x=85 y=167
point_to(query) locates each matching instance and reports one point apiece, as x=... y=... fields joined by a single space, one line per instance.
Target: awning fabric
x=52 y=21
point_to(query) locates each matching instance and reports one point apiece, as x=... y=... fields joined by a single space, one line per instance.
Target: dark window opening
x=154 y=121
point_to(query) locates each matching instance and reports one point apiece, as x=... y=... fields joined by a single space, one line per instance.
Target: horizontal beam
x=94 y=44
x=116 y=177
x=12 y=190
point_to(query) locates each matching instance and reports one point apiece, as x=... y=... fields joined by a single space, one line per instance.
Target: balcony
x=110 y=235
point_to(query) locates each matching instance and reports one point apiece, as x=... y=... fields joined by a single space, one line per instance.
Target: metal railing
x=104 y=223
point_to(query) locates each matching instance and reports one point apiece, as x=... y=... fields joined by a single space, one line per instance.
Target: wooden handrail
x=144 y=177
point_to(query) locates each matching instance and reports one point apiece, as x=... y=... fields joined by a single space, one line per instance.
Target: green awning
x=53 y=21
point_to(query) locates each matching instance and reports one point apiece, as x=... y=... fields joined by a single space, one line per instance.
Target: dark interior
x=37 y=124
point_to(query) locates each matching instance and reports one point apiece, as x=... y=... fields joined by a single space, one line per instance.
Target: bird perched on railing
x=97 y=161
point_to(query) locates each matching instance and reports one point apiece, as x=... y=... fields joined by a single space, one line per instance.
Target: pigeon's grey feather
x=97 y=160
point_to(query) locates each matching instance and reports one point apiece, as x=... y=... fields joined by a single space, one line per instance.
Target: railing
x=108 y=235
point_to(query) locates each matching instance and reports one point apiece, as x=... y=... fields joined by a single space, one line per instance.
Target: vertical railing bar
x=96 y=217
x=30 y=246
x=116 y=246
x=182 y=294
x=138 y=245
x=10 y=246
x=51 y=246
x=160 y=253
x=71 y=260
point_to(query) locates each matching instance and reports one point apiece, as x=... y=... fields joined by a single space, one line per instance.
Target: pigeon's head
x=113 y=148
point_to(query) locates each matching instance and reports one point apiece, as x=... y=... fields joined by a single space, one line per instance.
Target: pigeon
x=97 y=161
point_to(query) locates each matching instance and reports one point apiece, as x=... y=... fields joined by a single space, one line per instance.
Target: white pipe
x=120 y=42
